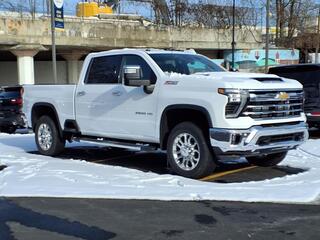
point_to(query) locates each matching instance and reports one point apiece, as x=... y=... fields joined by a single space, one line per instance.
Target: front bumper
x=258 y=139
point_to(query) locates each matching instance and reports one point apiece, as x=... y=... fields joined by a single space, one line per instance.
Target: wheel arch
x=45 y=109
x=186 y=112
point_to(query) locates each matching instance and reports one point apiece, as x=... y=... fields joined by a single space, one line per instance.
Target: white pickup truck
x=176 y=101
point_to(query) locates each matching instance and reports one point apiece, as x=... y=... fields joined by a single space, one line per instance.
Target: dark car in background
x=11 y=115
x=309 y=76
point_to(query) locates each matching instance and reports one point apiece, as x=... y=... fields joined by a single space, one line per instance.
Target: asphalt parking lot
x=101 y=219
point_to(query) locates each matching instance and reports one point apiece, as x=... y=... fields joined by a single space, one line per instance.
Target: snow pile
x=32 y=175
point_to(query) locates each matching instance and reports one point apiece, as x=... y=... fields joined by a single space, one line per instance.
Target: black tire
x=268 y=160
x=57 y=143
x=205 y=164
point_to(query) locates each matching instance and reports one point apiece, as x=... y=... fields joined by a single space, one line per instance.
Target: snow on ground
x=29 y=175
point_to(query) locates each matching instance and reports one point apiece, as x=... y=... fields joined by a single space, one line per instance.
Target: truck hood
x=249 y=80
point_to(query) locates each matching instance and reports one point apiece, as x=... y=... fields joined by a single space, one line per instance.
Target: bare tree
x=10 y=6
x=32 y=8
x=178 y=9
x=211 y=13
x=20 y=6
x=161 y=12
x=218 y=14
x=291 y=17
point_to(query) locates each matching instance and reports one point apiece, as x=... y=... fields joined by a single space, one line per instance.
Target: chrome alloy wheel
x=186 y=151
x=45 y=136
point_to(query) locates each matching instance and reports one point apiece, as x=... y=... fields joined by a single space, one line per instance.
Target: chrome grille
x=274 y=104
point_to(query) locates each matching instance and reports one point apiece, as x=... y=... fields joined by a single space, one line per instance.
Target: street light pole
x=233 y=44
x=53 y=44
x=267 y=36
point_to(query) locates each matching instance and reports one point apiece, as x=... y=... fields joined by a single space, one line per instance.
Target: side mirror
x=132 y=77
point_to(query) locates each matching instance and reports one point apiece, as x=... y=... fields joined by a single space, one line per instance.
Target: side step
x=118 y=144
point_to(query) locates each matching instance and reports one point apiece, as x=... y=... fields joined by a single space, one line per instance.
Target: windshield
x=185 y=63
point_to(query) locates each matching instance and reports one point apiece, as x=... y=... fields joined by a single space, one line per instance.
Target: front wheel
x=188 y=151
x=48 y=139
x=268 y=160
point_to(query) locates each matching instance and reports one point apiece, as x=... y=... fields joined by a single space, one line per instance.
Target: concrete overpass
x=25 y=43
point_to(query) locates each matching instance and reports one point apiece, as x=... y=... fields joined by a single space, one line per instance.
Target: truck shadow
x=156 y=162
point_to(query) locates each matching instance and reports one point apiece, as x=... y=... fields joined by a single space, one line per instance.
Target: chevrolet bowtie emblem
x=283 y=96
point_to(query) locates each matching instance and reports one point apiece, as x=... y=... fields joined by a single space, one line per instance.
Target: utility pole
x=53 y=44
x=233 y=43
x=267 y=36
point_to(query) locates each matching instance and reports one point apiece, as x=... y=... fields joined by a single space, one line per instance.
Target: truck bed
x=60 y=96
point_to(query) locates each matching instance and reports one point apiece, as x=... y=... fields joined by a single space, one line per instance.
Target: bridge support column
x=73 y=67
x=25 y=62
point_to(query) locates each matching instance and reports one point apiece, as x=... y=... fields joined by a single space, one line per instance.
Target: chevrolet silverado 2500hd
x=175 y=101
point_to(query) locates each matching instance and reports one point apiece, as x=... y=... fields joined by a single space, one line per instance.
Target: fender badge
x=171 y=82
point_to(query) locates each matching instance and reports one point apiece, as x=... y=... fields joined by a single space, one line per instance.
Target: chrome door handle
x=80 y=94
x=116 y=93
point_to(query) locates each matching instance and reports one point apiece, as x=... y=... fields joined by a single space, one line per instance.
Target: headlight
x=237 y=99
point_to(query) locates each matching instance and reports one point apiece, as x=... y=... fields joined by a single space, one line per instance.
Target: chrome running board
x=117 y=144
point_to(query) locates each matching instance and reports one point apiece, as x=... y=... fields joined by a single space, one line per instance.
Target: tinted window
x=104 y=70
x=147 y=72
x=294 y=69
x=185 y=63
x=9 y=92
x=305 y=74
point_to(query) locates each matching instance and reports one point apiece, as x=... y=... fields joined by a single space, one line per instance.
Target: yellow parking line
x=113 y=158
x=217 y=175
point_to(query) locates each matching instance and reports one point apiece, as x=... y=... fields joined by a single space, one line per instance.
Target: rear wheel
x=268 y=160
x=48 y=139
x=188 y=151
